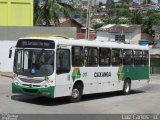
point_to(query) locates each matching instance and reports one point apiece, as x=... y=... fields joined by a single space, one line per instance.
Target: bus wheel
x=76 y=93
x=126 y=87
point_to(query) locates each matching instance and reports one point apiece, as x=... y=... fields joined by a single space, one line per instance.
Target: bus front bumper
x=47 y=92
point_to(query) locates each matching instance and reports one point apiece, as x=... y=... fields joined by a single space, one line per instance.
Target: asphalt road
x=143 y=101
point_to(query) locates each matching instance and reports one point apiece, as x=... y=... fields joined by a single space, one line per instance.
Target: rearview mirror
x=10 y=53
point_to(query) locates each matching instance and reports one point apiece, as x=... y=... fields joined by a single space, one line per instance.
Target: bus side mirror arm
x=10 y=52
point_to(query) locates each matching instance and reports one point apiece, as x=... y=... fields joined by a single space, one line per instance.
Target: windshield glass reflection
x=34 y=62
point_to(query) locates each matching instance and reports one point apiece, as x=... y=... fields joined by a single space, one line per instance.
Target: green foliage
x=109 y=4
x=96 y=26
x=150 y=12
x=109 y=20
x=148 y=22
x=49 y=12
x=122 y=15
x=154 y=18
x=136 y=17
x=123 y=12
x=115 y=20
x=126 y=1
x=36 y=10
x=123 y=21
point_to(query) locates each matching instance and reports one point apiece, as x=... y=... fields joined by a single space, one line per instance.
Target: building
x=16 y=12
x=72 y=23
x=81 y=30
x=148 y=37
x=121 y=33
x=155 y=59
x=155 y=51
x=92 y=36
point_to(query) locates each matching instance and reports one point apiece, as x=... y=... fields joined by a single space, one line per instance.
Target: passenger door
x=63 y=66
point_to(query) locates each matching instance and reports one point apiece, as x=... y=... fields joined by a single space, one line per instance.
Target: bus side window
x=63 y=61
x=137 y=57
x=77 y=56
x=91 y=57
x=116 y=57
x=104 y=57
x=127 y=57
x=145 y=58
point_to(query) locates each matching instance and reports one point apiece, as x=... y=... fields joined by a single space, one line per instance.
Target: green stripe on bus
x=48 y=92
x=133 y=72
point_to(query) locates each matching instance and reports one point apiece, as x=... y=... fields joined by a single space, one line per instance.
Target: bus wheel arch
x=77 y=91
x=127 y=86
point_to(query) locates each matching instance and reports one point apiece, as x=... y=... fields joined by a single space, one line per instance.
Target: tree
x=136 y=17
x=123 y=21
x=36 y=10
x=109 y=4
x=148 y=22
x=96 y=26
x=109 y=20
x=122 y=12
x=125 y=3
x=48 y=13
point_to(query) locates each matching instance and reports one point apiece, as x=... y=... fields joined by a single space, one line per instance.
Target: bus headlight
x=14 y=75
x=45 y=85
x=17 y=83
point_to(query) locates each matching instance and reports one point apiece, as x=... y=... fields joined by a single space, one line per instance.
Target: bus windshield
x=34 y=62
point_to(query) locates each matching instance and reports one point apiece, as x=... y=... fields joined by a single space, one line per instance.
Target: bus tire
x=76 y=94
x=126 y=87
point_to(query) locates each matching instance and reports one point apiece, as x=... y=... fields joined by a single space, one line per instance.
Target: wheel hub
x=75 y=93
x=127 y=87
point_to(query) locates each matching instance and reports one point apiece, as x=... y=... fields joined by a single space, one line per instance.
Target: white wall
x=105 y=36
x=136 y=36
x=132 y=38
x=6 y=64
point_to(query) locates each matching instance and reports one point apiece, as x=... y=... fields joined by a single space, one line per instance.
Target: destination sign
x=35 y=43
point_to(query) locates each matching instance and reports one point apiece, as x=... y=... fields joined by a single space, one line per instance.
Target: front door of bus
x=62 y=72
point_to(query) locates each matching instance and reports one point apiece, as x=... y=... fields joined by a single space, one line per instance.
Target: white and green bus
x=57 y=66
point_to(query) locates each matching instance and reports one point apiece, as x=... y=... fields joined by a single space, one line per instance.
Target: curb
x=6 y=74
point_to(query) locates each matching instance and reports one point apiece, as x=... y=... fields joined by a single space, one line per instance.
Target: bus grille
x=30 y=90
x=31 y=85
x=31 y=80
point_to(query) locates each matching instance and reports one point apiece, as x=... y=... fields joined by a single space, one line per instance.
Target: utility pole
x=88 y=20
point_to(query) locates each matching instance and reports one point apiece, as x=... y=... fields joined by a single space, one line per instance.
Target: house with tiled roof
x=72 y=23
x=121 y=33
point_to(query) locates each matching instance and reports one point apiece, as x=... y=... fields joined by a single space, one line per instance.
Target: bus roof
x=76 y=42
